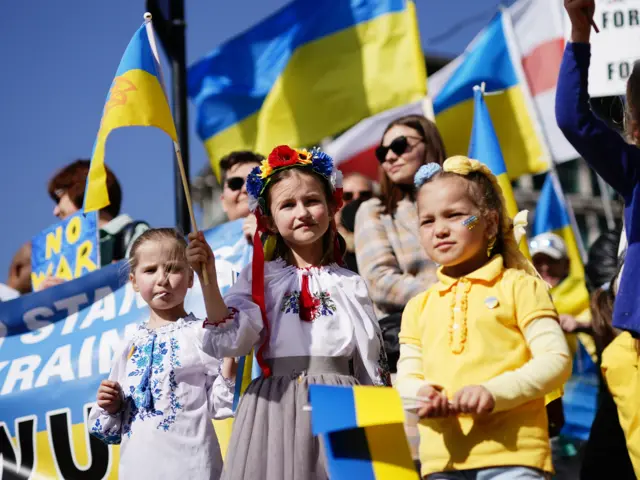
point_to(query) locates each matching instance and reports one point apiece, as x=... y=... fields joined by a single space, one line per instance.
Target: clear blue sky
x=58 y=60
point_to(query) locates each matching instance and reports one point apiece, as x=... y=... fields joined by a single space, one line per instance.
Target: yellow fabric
x=223 y=432
x=549 y=368
x=499 y=306
x=572 y=298
x=621 y=370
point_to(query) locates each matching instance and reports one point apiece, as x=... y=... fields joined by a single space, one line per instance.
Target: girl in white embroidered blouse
x=165 y=385
x=309 y=319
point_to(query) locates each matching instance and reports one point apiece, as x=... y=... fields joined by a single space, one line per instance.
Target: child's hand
x=473 y=399
x=229 y=368
x=581 y=14
x=109 y=396
x=438 y=405
x=199 y=254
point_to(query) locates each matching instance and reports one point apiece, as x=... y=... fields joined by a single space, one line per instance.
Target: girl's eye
x=149 y=270
x=427 y=221
x=288 y=205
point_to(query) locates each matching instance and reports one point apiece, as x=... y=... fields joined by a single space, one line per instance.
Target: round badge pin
x=491 y=302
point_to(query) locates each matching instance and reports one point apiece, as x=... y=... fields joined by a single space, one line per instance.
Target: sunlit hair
x=486 y=194
x=434 y=151
x=179 y=248
x=632 y=120
x=279 y=248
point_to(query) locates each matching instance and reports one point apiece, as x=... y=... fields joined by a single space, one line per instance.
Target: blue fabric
x=616 y=161
x=145 y=380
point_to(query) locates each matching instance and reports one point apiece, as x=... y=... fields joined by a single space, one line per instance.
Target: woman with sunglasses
x=390 y=257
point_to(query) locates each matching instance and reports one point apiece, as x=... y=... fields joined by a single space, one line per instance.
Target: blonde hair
x=490 y=199
x=158 y=235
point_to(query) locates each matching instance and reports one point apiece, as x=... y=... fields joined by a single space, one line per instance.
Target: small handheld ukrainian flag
x=136 y=98
x=362 y=431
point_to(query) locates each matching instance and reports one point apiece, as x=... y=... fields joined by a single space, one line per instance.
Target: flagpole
x=176 y=145
x=512 y=44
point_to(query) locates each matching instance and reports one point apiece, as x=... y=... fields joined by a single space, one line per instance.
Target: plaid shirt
x=390 y=257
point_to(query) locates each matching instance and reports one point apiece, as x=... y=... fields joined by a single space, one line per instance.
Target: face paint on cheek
x=470 y=222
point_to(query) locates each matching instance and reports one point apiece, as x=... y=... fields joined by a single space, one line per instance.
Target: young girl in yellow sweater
x=483 y=346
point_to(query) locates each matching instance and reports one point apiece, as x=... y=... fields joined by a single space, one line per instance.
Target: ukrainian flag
x=485 y=147
x=551 y=216
x=310 y=70
x=491 y=59
x=136 y=98
x=363 y=432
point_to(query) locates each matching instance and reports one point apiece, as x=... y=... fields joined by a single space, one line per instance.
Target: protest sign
x=615 y=48
x=67 y=250
x=56 y=346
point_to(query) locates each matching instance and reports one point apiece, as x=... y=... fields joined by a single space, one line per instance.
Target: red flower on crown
x=283 y=156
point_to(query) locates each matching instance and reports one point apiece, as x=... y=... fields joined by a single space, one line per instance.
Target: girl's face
x=443 y=206
x=161 y=277
x=299 y=209
x=401 y=168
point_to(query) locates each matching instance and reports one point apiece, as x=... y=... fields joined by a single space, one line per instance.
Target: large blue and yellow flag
x=363 y=432
x=308 y=71
x=490 y=59
x=484 y=146
x=136 y=98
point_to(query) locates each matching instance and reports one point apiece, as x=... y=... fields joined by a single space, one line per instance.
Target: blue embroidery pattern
x=325 y=304
x=291 y=303
x=151 y=356
x=174 y=405
x=110 y=436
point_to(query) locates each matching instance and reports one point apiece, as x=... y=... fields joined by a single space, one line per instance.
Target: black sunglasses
x=363 y=195
x=399 y=145
x=235 y=183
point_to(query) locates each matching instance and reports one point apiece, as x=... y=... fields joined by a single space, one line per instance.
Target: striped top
x=390 y=257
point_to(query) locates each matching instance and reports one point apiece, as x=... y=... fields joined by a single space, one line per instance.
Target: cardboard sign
x=68 y=249
x=615 y=49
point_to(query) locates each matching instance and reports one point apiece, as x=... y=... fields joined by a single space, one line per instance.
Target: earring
x=492 y=243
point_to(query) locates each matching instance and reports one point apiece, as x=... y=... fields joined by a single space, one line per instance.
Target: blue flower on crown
x=321 y=163
x=258 y=179
x=254 y=183
x=425 y=172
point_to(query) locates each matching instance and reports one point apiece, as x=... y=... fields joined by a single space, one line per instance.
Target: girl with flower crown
x=309 y=319
x=480 y=349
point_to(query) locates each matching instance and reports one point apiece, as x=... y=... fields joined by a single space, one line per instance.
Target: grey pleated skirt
x=272 y=438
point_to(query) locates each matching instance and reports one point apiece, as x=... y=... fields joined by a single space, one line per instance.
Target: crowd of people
x=416 y=282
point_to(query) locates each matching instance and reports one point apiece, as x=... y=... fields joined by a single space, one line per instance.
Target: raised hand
x=581 y=15
x=199 y=255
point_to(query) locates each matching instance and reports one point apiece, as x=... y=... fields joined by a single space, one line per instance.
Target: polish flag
x=539 y=33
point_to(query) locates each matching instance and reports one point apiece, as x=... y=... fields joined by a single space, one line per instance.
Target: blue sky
x=58 y=61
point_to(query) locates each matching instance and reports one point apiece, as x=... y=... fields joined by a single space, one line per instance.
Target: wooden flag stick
x=187 y=193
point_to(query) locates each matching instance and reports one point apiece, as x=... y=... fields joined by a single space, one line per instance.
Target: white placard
x=615 y=48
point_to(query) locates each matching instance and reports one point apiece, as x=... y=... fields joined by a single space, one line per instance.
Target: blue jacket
x=616 y=161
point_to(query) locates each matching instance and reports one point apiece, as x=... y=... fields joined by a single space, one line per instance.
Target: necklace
x=458 y=329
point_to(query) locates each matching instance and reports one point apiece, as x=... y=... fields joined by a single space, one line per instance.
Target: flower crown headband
x=283 y=158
